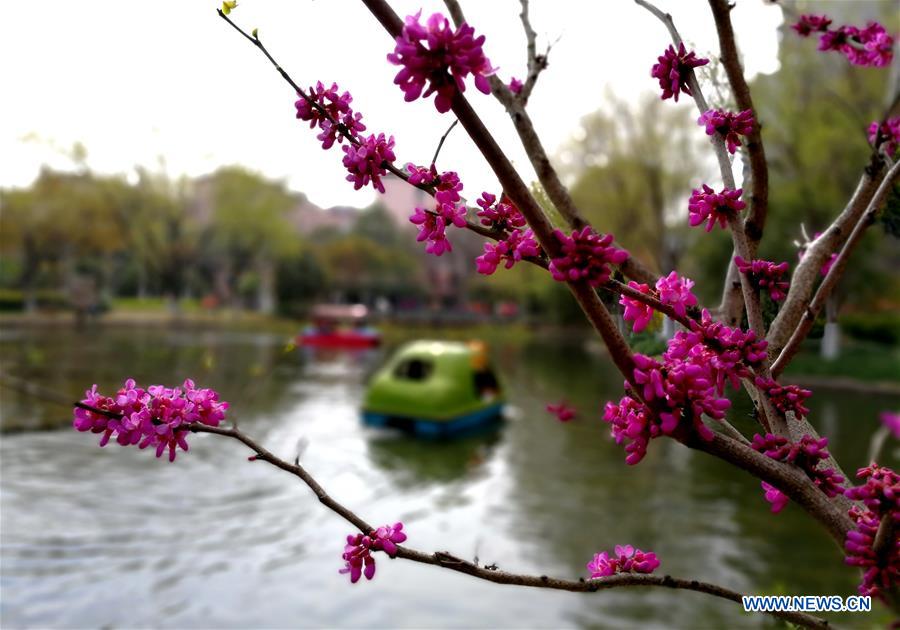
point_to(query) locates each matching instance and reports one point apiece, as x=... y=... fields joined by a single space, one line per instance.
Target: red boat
x=339 y=326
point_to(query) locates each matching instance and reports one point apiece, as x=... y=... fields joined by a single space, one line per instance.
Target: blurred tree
x=633 y=166
x=250 y=232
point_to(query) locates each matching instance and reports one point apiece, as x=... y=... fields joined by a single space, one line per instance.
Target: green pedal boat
x=435 y=389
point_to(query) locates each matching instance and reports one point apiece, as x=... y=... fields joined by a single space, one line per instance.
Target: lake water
x=116 y=538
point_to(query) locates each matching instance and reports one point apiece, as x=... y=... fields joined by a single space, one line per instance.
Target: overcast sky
x=139 y=81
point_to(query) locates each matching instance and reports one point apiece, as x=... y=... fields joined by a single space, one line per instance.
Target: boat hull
x=338 y=341
x=437 y=428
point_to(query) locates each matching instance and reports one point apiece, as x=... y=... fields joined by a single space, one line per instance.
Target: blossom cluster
x=626 y=559
x=675 y=397
x=499 y=215
x=364 y=157
x=766 y=275
x=880 y=495
x=517 y=245
x=586 y=255
x=672 y=290
x=155 y=417
x=728 y=124
x=331 y=107
x=886 y=135
x=439 y=56
x=365 y=161
x=870 y=46
x=707 y=205
x=448 y=209
x=807 y=454
x=357 y=554
x=688 y=383
x=785 y=398
x=673 y=69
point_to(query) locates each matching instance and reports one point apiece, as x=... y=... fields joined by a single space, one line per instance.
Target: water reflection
x=413 y=463
x=112 y=537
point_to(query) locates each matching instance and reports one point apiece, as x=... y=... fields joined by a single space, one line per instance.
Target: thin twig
x=448 y=561
x=437 y=151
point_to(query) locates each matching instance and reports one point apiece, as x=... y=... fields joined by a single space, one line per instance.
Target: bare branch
x=437 y=151
x=448 y=561
x=807 y=272
x=835 y=272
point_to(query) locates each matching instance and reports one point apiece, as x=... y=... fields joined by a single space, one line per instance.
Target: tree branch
x=807 y=270
x=741 y=246
x=518 y=192
x=835 y=272
x=448 y=561
x=759 y=195
x=537 y=155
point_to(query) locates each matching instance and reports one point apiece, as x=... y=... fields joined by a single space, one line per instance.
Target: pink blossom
x=891 y=421
x=502 y=215
x=515 y=86
x=155 y=417
x=447 y=196
x=811 y=24
x=517 y=245
x=422 y=175
x=871 y=46
x=562 y=410
x=358 y=559
x=432 y=228
x=387 y=537
x=707 y=205
x=676 y=395
x=673 y=70
x=436 y=55
x=886 y=135
x=332 y=107
x=675 y=291
x=635 y=310
x=785 y=398
x=728 y=124
x=627 y=559
x=766 y=275
x=880 y=494
x=829 y=262
x=807 y=454
x=366 y=162
x=585 y=255
x=776 y=497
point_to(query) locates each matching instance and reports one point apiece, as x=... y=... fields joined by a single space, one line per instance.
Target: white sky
x=136 y=81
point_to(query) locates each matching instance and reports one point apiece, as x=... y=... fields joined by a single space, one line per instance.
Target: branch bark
x=835 y=272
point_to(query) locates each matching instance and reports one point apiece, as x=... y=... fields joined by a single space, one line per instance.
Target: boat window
x=414 y=370
x=486 y=385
